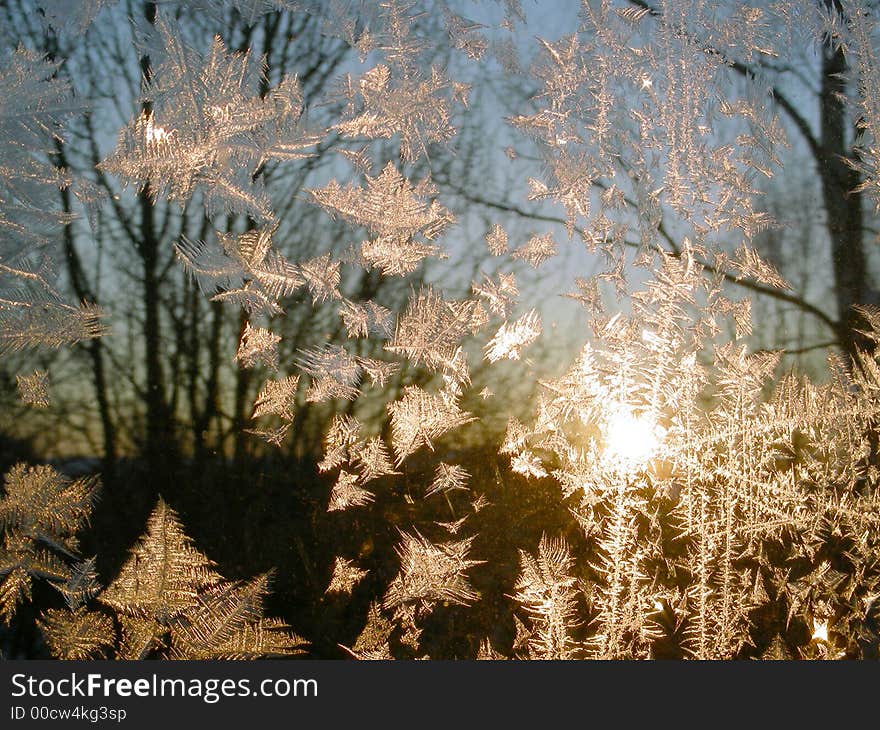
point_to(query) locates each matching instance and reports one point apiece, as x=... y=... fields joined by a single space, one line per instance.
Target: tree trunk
x=93 y=347
x=161 y=447
x=843 y=203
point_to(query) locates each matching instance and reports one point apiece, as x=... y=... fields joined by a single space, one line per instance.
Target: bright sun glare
x=631 y=439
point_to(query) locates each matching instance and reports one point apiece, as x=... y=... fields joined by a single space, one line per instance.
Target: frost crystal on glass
x=33 y=389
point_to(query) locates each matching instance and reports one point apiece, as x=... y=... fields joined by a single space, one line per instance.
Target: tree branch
x=749 y=284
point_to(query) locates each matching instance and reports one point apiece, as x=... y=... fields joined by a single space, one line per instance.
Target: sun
x=631 y=439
